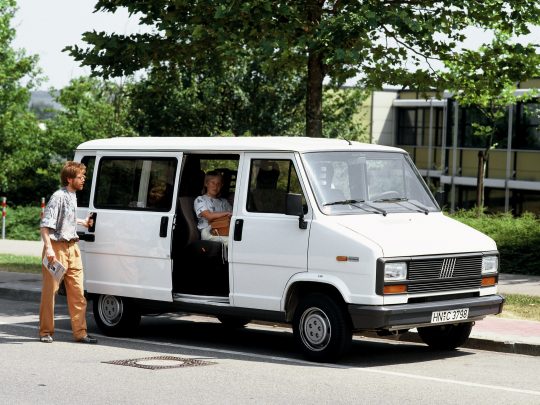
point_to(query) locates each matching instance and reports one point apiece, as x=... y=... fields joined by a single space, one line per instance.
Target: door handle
x=86 y=237
x=93 y=227
x=238 y=227
x=163 y=227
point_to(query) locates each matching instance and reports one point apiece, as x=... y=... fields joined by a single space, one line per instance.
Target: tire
x=322 y=328
x=446 y=337
x=232 y=322
x=116 y=316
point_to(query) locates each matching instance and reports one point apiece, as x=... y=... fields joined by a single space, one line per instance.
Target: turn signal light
x=489 y=281
x=394 y=289
x=341 y=258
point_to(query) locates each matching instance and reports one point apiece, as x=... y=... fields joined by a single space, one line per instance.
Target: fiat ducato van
x=330 y=236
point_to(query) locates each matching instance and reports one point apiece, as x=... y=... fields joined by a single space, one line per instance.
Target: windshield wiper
x=352 y=202
x=344 y=202
x=402 y=199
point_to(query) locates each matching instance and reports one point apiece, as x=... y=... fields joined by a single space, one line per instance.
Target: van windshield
x=367 y=183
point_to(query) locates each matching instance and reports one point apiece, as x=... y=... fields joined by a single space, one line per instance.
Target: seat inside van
x=199 y=267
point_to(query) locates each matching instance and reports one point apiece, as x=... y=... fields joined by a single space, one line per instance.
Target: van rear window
x=135 y=183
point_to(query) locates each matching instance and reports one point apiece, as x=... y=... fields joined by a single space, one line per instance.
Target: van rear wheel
x=446 y=337
x=116 y=316
x=322 y=328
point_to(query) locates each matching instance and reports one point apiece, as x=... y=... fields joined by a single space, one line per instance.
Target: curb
x=16 y=294
x=471 y=343
x=408 y=337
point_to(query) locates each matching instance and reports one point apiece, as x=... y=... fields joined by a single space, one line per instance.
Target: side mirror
x=293 y=206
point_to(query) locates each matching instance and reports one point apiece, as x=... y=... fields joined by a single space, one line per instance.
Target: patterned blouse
x=60 y=216
x=204 y=203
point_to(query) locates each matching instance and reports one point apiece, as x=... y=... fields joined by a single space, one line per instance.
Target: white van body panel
x=416 y=234
x=333 y=280
x=328 y=240
x=272 y=249
x=128 y=257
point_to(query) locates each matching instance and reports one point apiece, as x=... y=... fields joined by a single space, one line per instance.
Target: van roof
x=231 y=144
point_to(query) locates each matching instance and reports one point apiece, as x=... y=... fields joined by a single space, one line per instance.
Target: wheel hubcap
x=315 y=329
x=110 y=309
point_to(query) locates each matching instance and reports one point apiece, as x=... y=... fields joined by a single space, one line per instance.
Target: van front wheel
x=116 y=316
x=446 y=337
x=322 y=328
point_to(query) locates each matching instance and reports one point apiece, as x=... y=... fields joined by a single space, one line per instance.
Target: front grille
x=444 y=285
x=445 y=268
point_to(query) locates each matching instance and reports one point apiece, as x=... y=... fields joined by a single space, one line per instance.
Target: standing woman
x=209 y=206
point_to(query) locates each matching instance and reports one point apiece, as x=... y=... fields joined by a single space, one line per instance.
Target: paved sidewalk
x=519 y=284
x=21 y=247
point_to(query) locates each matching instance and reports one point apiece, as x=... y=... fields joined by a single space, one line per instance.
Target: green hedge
x=518 y=239
x=22 y=223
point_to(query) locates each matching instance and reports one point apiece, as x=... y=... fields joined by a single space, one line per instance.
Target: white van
x=331 y=236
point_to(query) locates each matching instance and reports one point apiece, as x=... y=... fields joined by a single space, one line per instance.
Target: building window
x=527 y=135
x=413 y=126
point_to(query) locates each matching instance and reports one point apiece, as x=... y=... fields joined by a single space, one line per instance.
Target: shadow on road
x=197 y=336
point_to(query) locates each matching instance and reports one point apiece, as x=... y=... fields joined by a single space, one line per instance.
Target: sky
x=46 y=27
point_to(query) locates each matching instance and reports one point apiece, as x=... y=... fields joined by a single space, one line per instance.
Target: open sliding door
x=134 y=201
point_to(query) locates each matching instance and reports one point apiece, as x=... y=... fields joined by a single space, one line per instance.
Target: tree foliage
x=336 y=39
x=20 y=145
x=491 y=91
x=245 y=99
x=91 y=109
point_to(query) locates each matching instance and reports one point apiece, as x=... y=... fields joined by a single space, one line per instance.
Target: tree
x=331 y=39
x=245 y=99
x=21 y=152
x=491 y=92
x=91 y=109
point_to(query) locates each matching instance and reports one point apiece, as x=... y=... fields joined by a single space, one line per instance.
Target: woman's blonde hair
x=210 y=176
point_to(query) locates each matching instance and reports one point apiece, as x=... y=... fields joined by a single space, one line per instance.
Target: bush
x=518 y=239
x=22 y=223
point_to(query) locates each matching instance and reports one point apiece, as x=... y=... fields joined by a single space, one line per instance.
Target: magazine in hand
x=56 y=269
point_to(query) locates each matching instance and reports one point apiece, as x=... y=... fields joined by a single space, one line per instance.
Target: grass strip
x=20 y=264
x=524 y=307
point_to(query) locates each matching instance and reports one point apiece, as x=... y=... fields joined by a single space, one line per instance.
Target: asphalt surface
x=257 y=364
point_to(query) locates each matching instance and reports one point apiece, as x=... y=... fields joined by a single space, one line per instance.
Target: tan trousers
x=69 y=255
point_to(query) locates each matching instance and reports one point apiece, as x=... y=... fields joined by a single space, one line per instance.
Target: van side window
x=83 y=196
x=270 y=181
x=135 y=183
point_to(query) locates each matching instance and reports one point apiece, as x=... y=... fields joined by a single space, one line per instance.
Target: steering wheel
x=387 y=194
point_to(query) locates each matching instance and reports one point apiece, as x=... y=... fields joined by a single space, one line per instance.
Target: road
x=257 y=364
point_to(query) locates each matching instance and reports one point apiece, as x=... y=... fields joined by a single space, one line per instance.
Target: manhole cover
x=161 y=363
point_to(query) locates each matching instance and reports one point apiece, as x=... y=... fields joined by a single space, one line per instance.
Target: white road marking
x=303 y=362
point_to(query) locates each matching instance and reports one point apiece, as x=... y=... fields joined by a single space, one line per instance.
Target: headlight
x=490 y=264
x=395 y=271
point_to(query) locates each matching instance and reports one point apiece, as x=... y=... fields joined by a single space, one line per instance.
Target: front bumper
x=407 y=316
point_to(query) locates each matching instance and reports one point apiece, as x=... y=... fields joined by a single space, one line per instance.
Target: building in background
x=439 y=138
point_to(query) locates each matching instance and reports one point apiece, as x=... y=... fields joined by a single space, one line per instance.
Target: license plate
x=448 y=316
